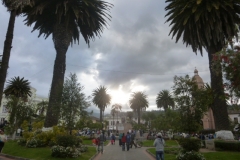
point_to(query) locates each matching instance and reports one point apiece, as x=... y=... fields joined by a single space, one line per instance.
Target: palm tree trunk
x=61 y=39
x=113 y=122
x=100 y=114
x=138 y=110
x=6 y=52
x=219 y=103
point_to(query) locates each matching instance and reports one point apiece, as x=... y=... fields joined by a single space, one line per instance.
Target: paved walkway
x=114 y=152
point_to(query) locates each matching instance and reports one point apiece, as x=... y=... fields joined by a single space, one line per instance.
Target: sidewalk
x=114 y=152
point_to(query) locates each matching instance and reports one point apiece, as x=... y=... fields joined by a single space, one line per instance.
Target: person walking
x=159 y=145
x=123 y=140
x=113 y=139
x=128 y=140
x=101 y=139
x=132 y=141
x=3 y=139
x=120 y=139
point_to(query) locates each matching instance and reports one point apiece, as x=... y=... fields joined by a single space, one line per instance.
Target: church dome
x=198 y=79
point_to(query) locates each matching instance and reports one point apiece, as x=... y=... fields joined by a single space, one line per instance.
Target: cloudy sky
x=135 y=53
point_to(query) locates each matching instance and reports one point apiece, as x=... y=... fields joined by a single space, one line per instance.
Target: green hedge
x=227 y=145
x=190 y=144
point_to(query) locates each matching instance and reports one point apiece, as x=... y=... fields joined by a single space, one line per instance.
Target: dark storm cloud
x=135 y=49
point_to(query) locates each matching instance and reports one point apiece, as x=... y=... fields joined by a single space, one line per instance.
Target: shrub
x=64 y=152
x=83 y=148
x=32 y=143
x=22 y=142
x=68 y=141
x=191 y=155
x=227 y=145
x=190 y=144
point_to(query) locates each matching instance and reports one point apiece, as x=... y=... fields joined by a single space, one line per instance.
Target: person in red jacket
x=123 y=142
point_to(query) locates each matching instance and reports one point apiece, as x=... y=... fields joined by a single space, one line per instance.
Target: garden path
x=114 y=152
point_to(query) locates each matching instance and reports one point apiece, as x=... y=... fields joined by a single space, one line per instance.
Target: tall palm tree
x=17 y=89
x=113 y=113
x=165 y=100
x=206 y=24
x=138 y=102
x=66 y=20
x=101 y=99
x=15 y=8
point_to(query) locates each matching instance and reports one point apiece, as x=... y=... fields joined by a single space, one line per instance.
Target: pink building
x=208 y=119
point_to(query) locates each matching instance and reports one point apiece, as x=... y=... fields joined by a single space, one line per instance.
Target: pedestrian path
x=114 y=152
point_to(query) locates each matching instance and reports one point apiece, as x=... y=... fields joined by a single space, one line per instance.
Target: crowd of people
x=126 y=141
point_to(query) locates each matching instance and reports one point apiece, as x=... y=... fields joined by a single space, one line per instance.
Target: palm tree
x=17 y=89
x=101 y=99
x=118 y=108
x=206 y=24
x=165 y=100
x=66 y=20
x=15 y=8
x=138 y=102
x=113 y=113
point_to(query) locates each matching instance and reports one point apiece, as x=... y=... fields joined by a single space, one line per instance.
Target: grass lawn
x=89 y=142
x=208 y=156
x=12 y=148
x=169 y=143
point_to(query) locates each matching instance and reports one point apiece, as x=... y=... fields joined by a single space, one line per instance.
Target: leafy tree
x=130 y=115
x=206 y=24
x=165 y=100
x=19 y=111
x=74 y=102
x=138 y=103
x=65 y=20
x=192 y=102
x=83 y=122
x=149 y=117
x=101 y=99
x=41 y=107
x=229 y=60
x=167 y=120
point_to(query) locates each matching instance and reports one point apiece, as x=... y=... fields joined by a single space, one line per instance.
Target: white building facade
x=34 y=100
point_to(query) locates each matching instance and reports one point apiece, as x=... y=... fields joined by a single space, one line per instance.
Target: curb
x=13 y=157
x=94 y=156
x=150 y=153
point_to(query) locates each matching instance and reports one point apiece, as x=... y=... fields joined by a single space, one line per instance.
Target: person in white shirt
x=159 y=144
